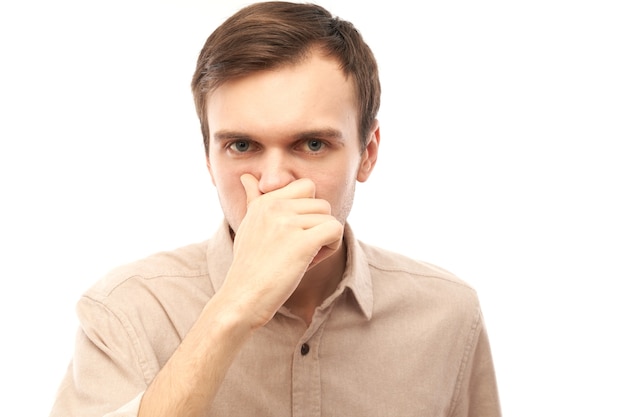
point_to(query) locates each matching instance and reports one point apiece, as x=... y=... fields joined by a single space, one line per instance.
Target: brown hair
x=270 y=34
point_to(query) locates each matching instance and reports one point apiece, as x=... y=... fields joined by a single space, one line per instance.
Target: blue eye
x=240 y=146
x=314 y=144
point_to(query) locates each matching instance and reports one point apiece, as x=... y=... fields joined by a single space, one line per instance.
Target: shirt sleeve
x=105 y=377
x=477 y=392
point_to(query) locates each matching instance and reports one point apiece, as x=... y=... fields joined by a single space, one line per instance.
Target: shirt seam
x=471 y=341
x=111 y=290
x=420 y=275
x=130 y=332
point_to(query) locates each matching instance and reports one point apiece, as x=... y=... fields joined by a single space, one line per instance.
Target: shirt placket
x=306 y=379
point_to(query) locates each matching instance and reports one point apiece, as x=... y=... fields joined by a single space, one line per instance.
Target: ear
x=208 y=165
x=370 y=154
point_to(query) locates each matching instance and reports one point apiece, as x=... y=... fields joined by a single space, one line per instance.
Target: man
x=282 y=312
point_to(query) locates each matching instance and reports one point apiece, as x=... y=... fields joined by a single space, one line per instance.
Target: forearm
x=281 y=234
x=189 y=381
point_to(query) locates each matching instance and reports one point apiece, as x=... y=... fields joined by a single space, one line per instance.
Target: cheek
x=232 y=198
x=230 y=190
x=226 y=177
x=335 y=186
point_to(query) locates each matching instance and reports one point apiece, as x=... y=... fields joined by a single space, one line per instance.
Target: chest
x=345 y=367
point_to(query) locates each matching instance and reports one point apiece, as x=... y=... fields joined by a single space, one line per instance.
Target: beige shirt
x=397 y=338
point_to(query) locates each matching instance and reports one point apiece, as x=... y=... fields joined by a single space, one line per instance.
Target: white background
x=502 y=160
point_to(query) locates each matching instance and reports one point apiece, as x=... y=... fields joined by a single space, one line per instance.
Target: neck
x=317 y=284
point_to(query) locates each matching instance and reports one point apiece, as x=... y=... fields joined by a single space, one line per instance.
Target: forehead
x=308 y=95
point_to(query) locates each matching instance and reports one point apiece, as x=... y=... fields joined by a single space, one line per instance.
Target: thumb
x=251 y=187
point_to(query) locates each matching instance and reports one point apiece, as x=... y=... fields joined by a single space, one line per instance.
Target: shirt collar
x=356 y=276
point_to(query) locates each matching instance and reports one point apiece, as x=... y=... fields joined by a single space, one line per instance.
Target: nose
x=275 y=171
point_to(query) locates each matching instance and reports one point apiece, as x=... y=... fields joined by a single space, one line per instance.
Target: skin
x=284 y=157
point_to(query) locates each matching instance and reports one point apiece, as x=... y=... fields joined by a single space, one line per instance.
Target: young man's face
x=298 y=121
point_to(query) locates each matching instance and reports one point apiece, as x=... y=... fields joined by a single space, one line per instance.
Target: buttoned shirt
x=398 y=337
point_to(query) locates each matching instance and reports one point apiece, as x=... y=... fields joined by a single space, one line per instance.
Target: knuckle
x=308 y=185
x=325 y=206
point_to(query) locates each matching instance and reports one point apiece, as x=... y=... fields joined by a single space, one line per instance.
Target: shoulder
x=415 y=294
x=408 y=273
x=385 y=260
x=186 y=263
x=141 y=309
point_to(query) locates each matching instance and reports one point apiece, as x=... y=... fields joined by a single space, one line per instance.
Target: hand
x=283 y=234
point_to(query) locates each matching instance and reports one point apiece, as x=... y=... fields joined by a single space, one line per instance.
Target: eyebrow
x=322 y=133
x=223 y=135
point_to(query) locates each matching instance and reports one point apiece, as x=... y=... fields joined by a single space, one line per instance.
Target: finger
x=300 y=188
x=308 y=221
x=328 y=233
x=250 y=186
x=308 y=206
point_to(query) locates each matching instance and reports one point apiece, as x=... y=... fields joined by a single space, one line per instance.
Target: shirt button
x=304 y=349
